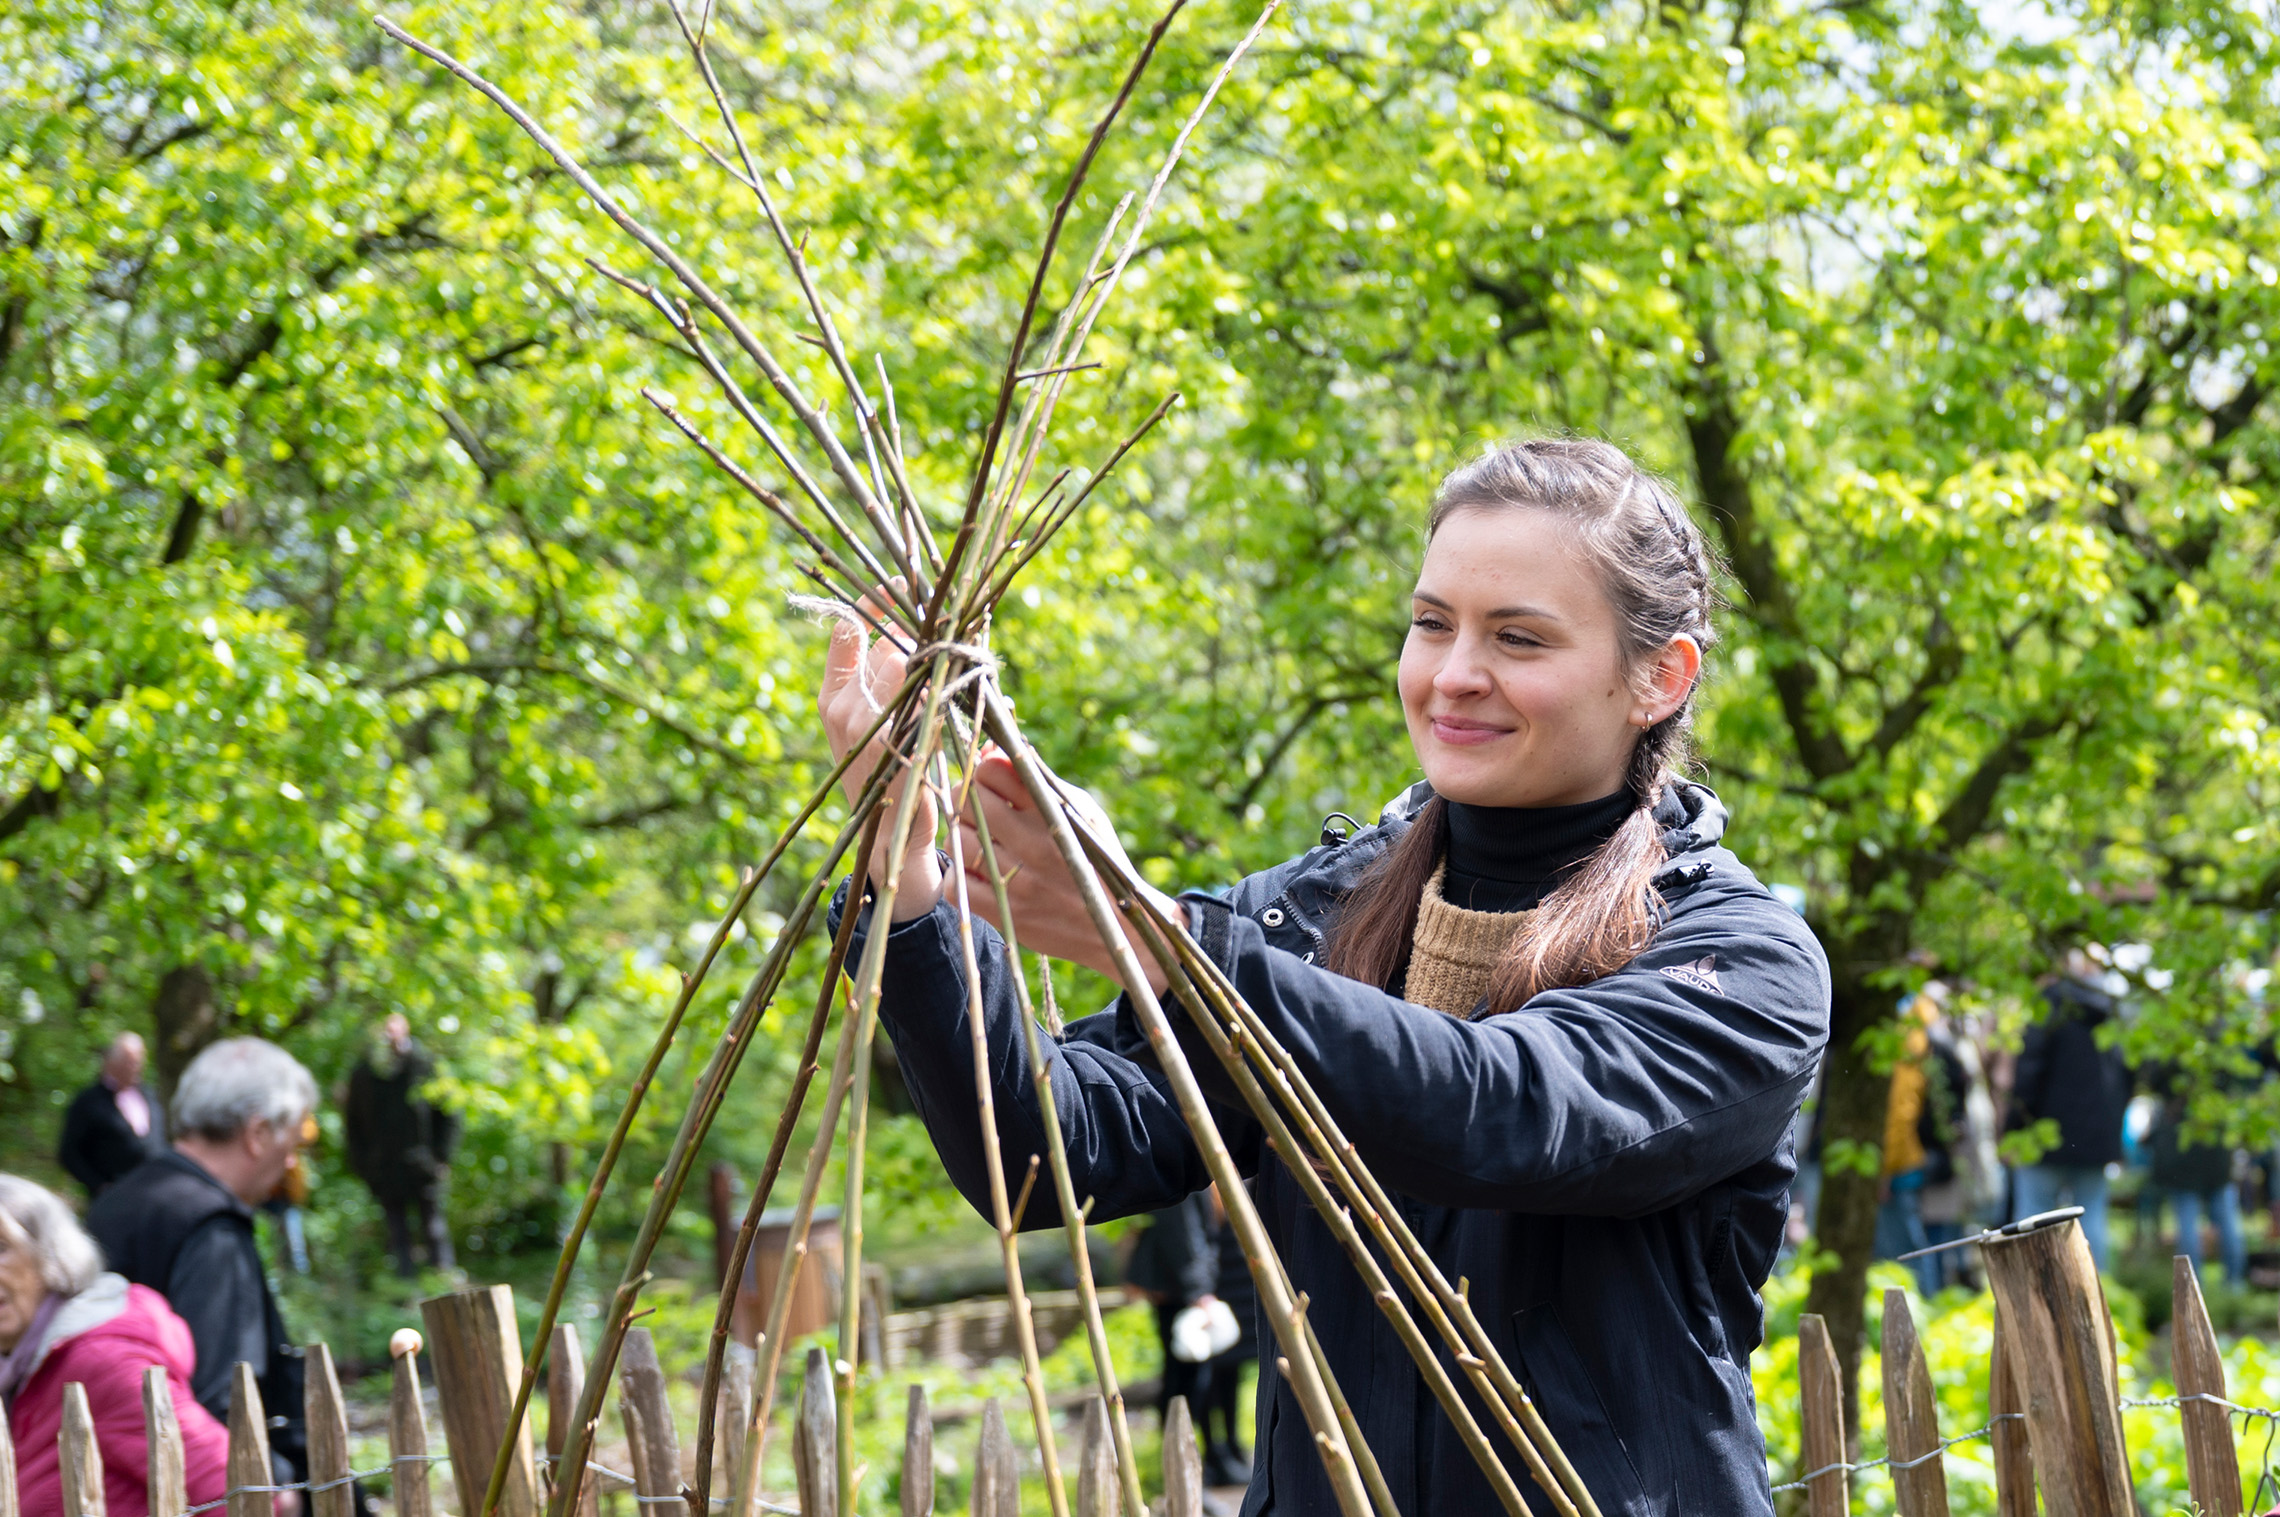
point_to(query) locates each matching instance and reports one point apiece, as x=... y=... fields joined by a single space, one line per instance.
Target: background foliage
x=363 y=645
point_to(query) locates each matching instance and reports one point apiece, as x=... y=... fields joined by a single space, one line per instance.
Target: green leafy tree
x=358 y=649
x=364 y=643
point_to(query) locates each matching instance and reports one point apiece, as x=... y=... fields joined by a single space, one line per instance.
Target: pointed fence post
x=2013 y=1458
x=2212 y=1464
x=330 y=1494
x=478 y=1362
x=815 y=1441
x=407 y=1429
x=168 y=1487
x=918 y=1456
x=8 y=1503
x=739 y=1370
x=649 y=1434
x=82 y=1460
x=997 y=1475
x=2054 y=1311
x=1183 y=1466
x=1821 y=1400
x=249 y=1446
x=1911 y=1417
x=565 y=1380
x=877 y=1300
x=1098 y=1494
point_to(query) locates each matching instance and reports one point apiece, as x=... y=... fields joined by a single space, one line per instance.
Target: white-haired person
x=114 y=1124
x=64 y=1319
x=182 y=1224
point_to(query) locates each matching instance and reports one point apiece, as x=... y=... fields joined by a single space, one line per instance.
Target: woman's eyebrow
x=1501 y=613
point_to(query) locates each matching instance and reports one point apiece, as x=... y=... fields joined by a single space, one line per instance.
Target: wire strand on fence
x=1888 y=1462
x=312 y=1487
x=2128 y=1404
x=607 y=1473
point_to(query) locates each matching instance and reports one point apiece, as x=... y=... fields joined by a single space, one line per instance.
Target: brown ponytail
x=1657 y=573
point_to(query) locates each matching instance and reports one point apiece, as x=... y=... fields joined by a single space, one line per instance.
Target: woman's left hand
x=1048 y=910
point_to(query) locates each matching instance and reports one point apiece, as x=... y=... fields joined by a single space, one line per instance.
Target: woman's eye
x=1519 y=640
x=1427 y=621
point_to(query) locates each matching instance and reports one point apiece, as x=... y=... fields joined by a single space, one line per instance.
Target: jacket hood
x=2088 y=1002
x=99 y=1304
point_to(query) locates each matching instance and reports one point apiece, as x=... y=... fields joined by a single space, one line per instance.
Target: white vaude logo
x=1702 y=974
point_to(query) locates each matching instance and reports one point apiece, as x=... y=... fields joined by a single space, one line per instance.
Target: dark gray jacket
x=1609 y=1166
x=2064 y=1075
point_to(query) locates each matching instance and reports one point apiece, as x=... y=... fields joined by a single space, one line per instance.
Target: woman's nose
x=1462 y=672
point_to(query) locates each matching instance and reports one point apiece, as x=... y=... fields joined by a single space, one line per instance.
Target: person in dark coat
x=115 y=1123
x=2196 y=1179
x=1174 y=1266
x=1562 y=1023
x=1224 y=1460
x=2065 y=1076
x=182 y=1224
x=400 y=1143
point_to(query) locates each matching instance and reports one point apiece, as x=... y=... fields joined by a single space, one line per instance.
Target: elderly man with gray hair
x=182 y=1224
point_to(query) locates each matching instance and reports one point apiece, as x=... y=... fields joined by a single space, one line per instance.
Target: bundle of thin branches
x=879 y=562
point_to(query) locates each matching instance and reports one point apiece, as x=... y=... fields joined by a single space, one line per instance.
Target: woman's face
x=1512 y=679
x=21 y=1288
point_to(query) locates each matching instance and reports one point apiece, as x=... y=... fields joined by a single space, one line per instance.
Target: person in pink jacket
x=63 y=1319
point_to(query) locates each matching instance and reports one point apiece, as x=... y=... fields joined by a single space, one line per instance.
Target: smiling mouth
x=1458 y=731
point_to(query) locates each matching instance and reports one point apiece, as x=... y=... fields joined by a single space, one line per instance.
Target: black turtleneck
x=1507 y=858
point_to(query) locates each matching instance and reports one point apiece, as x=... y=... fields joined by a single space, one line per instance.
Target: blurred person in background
x=2196 y=1179
x=2065 y=1077
x=1225 y=1462
x=1979 y=1161
x=1920 y=1189
x=1175 y=1267
x=63 y=1320
x=114 y=1124
x=182 y=1224
x=289 y=1202
x=400 y=1143
x=1951 y=1192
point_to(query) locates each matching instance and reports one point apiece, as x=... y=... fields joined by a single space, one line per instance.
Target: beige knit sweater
x=1454 y=951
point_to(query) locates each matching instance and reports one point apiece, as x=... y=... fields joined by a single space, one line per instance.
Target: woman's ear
x=1667 y=680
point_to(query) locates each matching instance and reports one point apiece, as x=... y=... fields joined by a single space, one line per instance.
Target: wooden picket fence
x=2053 y=1392
x=476 y=1355
x=2053 y=1383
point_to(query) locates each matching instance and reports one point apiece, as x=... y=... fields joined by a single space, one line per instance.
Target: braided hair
x=1659 y=577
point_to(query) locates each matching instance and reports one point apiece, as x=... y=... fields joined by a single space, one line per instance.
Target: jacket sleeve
x=112 y=1374
x=1617 y=1098
x=205 y=1445
x=71 y=1150
x=2028 y=1077
x=1129 y=1148
x=215 y=1287
x=1198 y=1260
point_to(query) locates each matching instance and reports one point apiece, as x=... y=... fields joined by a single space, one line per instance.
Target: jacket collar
x=1691 y=816
x=182 y=1161
x=105 y=1299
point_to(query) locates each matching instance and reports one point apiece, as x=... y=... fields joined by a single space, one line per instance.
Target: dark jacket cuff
x=863 y=923
x=1211 y=922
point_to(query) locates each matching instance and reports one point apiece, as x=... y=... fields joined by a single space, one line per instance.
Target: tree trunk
x=1852 y=1113
x=184 y=1019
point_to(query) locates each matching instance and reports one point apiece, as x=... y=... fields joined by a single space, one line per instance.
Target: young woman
x=1567 y=1027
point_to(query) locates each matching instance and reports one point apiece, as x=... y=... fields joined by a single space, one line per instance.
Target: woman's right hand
x=860 y=675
